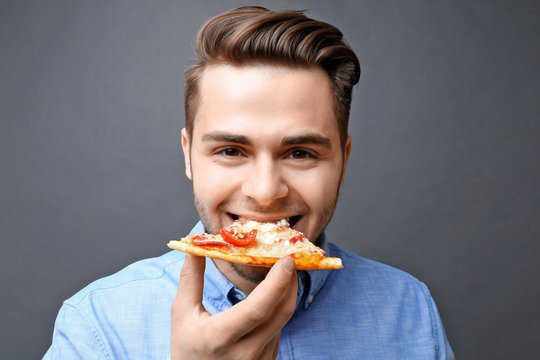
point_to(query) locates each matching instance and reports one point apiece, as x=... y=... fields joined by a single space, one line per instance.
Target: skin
x=265 y=146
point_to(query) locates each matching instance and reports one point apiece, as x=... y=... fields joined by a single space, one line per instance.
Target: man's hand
x=249 y=330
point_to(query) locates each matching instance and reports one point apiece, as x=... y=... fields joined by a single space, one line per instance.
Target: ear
x=187 y=152
x=346 y=155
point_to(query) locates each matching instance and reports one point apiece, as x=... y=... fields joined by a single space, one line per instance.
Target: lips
x=292 y=220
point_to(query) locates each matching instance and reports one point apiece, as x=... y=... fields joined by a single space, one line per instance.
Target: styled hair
x=255 y=35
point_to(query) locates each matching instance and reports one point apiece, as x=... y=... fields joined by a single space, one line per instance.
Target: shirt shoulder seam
x=93 y=330
x=432 y=317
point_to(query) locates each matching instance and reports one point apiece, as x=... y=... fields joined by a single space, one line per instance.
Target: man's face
x=265 y=146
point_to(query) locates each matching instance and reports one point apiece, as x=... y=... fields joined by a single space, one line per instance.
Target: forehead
x=265 y=99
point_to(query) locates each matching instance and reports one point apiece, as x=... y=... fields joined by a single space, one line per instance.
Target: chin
x=254 y=274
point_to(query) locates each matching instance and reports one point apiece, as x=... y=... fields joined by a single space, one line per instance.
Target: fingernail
x=288 y=265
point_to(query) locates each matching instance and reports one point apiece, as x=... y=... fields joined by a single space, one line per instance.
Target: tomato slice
x=297 y=238
x=238 y=239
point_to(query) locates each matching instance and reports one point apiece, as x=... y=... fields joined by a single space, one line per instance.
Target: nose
x=264 y=182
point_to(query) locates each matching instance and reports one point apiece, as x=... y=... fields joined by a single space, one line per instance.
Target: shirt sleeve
x=442 y=346
x=74 y=339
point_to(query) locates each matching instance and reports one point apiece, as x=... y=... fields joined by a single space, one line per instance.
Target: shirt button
x=310 y=299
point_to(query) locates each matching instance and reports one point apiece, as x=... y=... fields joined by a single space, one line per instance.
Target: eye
x=229 y=152
x=300 y=154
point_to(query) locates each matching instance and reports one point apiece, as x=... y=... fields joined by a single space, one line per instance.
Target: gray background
x=443 y=180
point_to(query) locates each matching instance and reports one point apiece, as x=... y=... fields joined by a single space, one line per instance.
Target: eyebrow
x=314 y=139
x=226 y=137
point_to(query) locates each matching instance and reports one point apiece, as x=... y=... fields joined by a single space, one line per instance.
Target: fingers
x=280 y=315
x=190 y=288
x=269 y=292
x=187 y=306
x=251 y=327
x=262 y=301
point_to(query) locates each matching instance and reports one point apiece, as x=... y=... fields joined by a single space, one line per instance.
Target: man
x=266 y=138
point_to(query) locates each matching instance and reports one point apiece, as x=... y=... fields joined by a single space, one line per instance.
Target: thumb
x=190 y=287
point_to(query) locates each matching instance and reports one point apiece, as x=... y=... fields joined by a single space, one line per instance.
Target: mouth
x=292 y=220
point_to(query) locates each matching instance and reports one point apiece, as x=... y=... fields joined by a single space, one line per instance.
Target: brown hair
x=250 y=35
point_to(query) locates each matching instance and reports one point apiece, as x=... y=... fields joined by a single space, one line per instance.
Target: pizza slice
x=260 y=244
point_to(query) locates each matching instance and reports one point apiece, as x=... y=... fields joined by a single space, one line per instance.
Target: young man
x=266 y=138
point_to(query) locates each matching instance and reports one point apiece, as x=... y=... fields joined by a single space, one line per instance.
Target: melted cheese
x=273 y=239
x=268 y=233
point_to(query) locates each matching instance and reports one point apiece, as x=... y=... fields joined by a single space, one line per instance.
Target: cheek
x=319 y=186
x=211 y=182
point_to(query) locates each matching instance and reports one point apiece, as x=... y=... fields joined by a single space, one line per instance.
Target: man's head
x=262 y=139
x=254 y=35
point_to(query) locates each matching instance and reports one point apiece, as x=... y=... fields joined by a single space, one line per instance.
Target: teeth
x=291 y=220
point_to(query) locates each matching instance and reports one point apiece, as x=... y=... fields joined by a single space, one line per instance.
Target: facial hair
x=256 y=274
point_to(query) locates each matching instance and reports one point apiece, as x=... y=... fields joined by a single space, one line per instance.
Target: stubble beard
x=256 y=274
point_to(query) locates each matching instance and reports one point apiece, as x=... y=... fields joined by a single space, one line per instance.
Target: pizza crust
x=315 y=262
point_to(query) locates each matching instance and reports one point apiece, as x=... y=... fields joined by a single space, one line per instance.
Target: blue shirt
x=367 y=310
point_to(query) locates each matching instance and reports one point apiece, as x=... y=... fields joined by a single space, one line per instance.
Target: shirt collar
x=221 y=293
